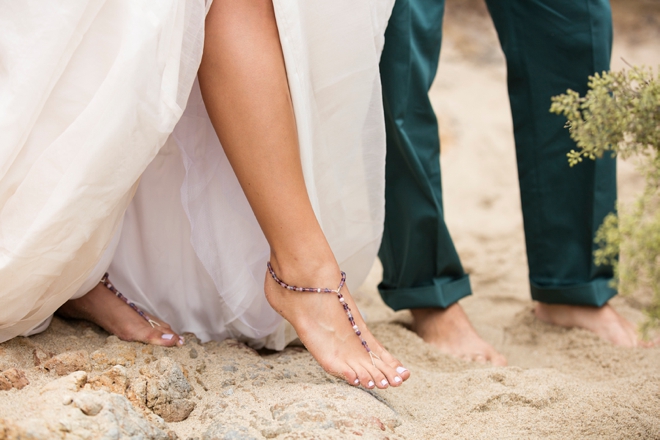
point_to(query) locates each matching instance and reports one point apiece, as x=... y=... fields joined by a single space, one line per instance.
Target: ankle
x=315 y=270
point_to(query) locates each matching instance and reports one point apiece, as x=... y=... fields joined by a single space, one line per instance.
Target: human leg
x=244 y=85
x=422 y=270
x=551 y=46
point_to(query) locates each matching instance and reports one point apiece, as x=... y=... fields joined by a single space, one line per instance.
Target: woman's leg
x=244 y=85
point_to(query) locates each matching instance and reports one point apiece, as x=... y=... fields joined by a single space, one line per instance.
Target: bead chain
x=342 y=301
x=106 y=282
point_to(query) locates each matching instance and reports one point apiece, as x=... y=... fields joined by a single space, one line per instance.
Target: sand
x=560 y=383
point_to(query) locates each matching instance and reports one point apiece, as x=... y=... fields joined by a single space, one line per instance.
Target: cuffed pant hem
x=442 y=293
x=595 y=293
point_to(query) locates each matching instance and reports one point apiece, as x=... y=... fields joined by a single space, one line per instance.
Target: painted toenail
x=401 y=370
x=167 y=336
x=397 y=379
x=356 y=381
x=370 y=384
x=384 y=382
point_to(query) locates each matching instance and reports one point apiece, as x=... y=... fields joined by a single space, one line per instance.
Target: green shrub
x=621 y=114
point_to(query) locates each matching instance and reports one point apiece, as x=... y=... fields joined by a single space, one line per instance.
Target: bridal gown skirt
x=108 y=160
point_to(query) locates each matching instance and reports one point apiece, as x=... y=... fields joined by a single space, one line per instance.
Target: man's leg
x=422 y=271
x=551 y=46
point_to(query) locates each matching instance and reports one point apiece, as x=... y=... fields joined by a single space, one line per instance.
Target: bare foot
x=322 y=325
x=450 y=331
x=603 y=321
x=104 y=309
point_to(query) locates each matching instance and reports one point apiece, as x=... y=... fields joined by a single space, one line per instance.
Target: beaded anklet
x=342 y=301
x=106 y=282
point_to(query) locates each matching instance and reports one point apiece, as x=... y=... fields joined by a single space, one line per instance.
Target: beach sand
x=560 y=383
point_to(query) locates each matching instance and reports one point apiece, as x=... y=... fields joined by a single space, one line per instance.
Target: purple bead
x=364 y=343
x=358 y=332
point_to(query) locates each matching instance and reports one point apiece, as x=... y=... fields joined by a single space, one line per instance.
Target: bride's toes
x=378 y=377
x=364 y=377
x=166 y=338
x=393 y=367
x=345 y=372
x=393 y=378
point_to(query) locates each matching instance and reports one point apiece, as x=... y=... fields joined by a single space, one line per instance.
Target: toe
x=398 y=370
x=379 y=379
x=391 y=374
x=363 y=376
x=350 y=376
x=498 y=360
x=157 y=336
x=479 y=358
x=341 y=371
x=402 y=372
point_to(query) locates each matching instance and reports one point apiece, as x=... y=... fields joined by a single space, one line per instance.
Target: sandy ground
x=561 y=384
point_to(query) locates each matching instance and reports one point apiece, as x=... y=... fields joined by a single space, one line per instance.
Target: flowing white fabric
x=91 y=91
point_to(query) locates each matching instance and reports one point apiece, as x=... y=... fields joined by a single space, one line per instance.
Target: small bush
x=621 y=114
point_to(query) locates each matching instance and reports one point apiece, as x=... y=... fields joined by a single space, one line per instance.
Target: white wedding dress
x=99 y=96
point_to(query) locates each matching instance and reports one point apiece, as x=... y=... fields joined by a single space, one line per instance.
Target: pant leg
x=551 y=46
x=421 y=266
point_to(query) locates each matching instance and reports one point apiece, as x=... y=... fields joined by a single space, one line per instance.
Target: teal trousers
x=550 y=46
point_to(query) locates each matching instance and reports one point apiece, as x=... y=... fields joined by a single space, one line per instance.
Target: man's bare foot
x=322 y=325
x=450 y=331
x=106 y=310
x=603 y=321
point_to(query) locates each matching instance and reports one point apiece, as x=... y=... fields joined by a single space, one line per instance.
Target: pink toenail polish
x=384 y=382
x=370 y=384
x=397 y=379
x=356 y=381
x=167 y=336
x=401 y=370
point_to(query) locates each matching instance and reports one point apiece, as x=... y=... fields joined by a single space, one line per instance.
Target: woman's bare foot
x=603 y=321
x=106 y=310
x=322 y=325
x=450 y=331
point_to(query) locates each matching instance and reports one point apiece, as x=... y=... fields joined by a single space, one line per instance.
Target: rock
x=68 y=362
x=115 y=380
x=72 y=382
x=39 y=356
x=5 y=385
x=90 y=404
x=166 y=390
x=116 y=352
x=13 y=431
x=66 y=411
x=16 y=378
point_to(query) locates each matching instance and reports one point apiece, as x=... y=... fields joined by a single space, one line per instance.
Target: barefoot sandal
x=342 y=301
x=108 y=285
